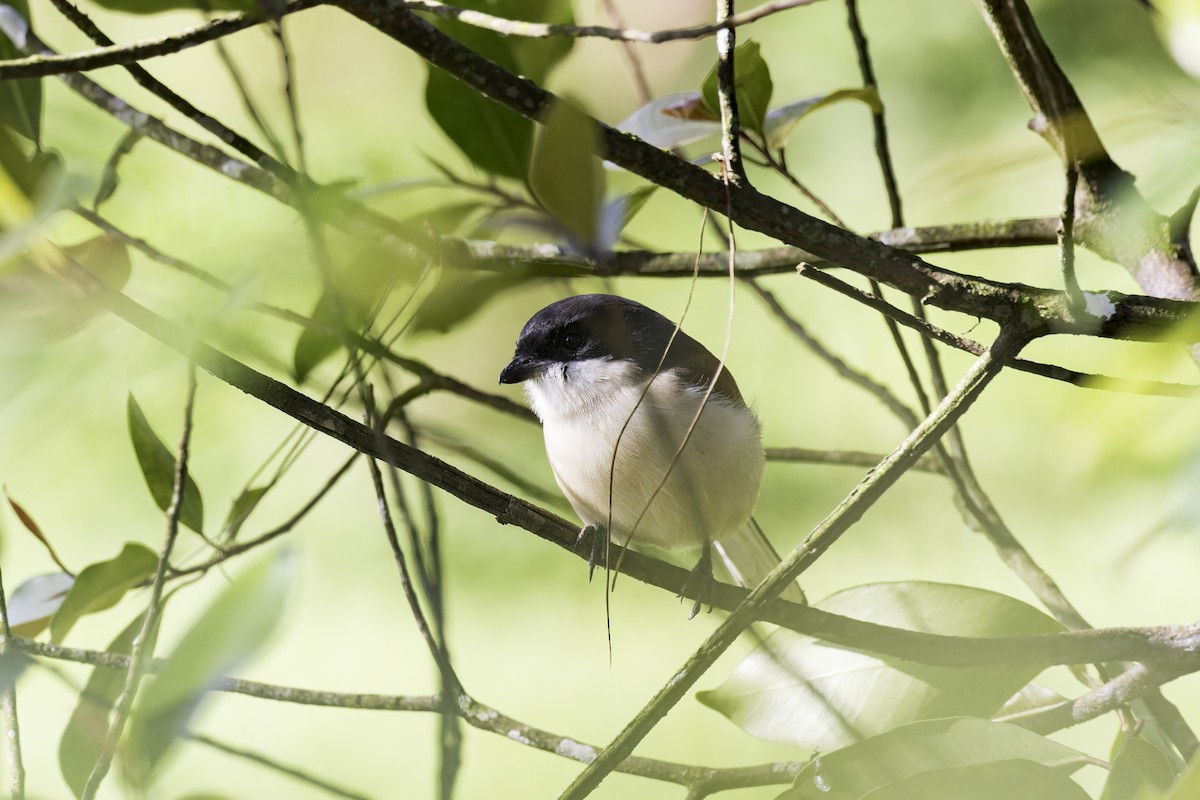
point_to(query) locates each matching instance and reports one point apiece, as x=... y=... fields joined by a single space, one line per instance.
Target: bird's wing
x=749 y=556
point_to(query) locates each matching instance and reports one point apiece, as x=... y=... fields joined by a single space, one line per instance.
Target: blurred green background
x=1086 y=479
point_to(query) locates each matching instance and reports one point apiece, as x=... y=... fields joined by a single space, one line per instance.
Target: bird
x=647 y=434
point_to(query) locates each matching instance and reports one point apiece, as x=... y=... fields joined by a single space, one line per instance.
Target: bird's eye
x=572 y=340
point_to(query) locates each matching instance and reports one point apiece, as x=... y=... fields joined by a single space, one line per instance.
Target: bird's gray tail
x=749 y=556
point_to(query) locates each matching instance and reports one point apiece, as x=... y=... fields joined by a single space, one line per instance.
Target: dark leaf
x=460 y=294
x=230 y=631
x=751 y=83
x=565 y=175
x=101 y=586
x=861 y=768
x=158 y=467
x=20 y=99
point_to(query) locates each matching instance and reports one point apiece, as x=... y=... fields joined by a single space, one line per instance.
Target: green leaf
x=1032 y=699
x=158 y=6
x=751 y=83
x=780 y=122
x=1002 y=780
x=1188 y=785
x=565 y=175
x=83 y=738
x=20 y=99
x=1137 y=770
x=230 y=632
x=34 y=602
x=495 y=139
x=799 y=690
x=158 y=468
x=630 y=204
x=102 y=585
x=314 y=346
x=672 y=121
x=460 y=294
x=939 y=744
x=243 y=505
x=537 y=56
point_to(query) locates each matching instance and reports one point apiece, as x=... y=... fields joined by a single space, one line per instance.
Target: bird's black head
x=604 y=326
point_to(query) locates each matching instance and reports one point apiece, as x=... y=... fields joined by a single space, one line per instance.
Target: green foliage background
x=1084 y=478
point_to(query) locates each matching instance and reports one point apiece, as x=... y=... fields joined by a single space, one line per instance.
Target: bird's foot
x=593 y=538
x=698 y=578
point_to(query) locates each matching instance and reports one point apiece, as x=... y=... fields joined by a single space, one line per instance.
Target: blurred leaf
x=1031 y=699
x=83 y=738
x=20 y=99
x=939 y=744
x=780 y=122
x=1187 y=787
x=1178 y=24
x=1001 y=780
x=229 y=632
x=565 y=175
x=13 y=663
x=32 y=604
x=619 y=212
x=460 y=294
x=799 y=690
x=41 y=304
x=158 y=6
x=1137 y=769
x=31 y=525
x=102 y=585
x=243 y=505
x=314 y=346
x=751 y=83
x=158 y=468
x=671 y=121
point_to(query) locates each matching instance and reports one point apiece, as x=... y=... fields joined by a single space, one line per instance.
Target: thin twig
x=512 y=27
x=733 y=169
x=275 y=766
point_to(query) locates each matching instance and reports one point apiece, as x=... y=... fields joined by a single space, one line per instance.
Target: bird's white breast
x=709 y=492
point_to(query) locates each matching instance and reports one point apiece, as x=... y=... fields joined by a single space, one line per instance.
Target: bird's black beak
x=520 y=368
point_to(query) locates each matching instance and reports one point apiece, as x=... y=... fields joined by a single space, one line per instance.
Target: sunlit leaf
x=751 y=83
x=1138 y=770
x=31 y=604
x=158 y=468
x=1032 y=699
x=229 y=633
x=780 y=122
x=83 y=738
x=20 y=99
x=799 y=690
x=1001 y=780
x=565 y=175
x=939 y=744
x=101 y=586
x=672 y=121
